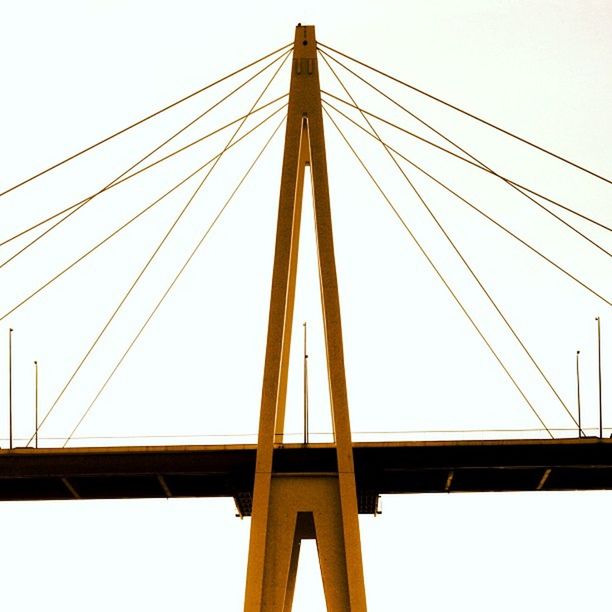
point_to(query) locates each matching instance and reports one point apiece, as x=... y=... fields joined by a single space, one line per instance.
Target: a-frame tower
x=289 y=507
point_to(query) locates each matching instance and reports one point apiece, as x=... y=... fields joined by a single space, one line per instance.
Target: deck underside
x=380 y=469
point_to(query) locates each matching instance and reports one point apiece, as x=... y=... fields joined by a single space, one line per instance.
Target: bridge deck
x=380 y=468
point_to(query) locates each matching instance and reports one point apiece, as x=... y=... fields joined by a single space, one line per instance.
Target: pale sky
x=73 y=72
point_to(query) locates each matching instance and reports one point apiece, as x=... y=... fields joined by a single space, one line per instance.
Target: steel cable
x=134 y=218
x=172 y=284
x=468 y=161
x=147 y=118
x=456 y=249
x=482 y=164
x=468 y=114
x=139 y=171
x=157 y=249
x=440 y=276
x=84 y=202
x=473 y=206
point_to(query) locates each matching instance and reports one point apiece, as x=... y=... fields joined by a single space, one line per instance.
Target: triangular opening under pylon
x=309 y=584
x=308 y=407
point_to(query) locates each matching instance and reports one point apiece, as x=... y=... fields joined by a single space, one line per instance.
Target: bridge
x=381 y=468
x=580 y=463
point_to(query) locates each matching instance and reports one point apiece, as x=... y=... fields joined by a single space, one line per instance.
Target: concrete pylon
x=288 y=507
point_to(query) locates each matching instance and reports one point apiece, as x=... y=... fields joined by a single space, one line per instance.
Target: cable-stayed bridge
x=378 y=468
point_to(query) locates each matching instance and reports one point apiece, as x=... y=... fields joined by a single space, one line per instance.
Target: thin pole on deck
x=599 y=367
x=578 y=393
x=36 y=403
x=305 y=385
x=10 y=349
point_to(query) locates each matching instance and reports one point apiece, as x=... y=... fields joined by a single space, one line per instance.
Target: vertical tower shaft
x=290 y=507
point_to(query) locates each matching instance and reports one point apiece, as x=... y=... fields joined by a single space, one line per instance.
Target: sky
x=74 y=72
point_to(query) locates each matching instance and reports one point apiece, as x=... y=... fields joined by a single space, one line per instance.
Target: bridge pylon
x=289 y=507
